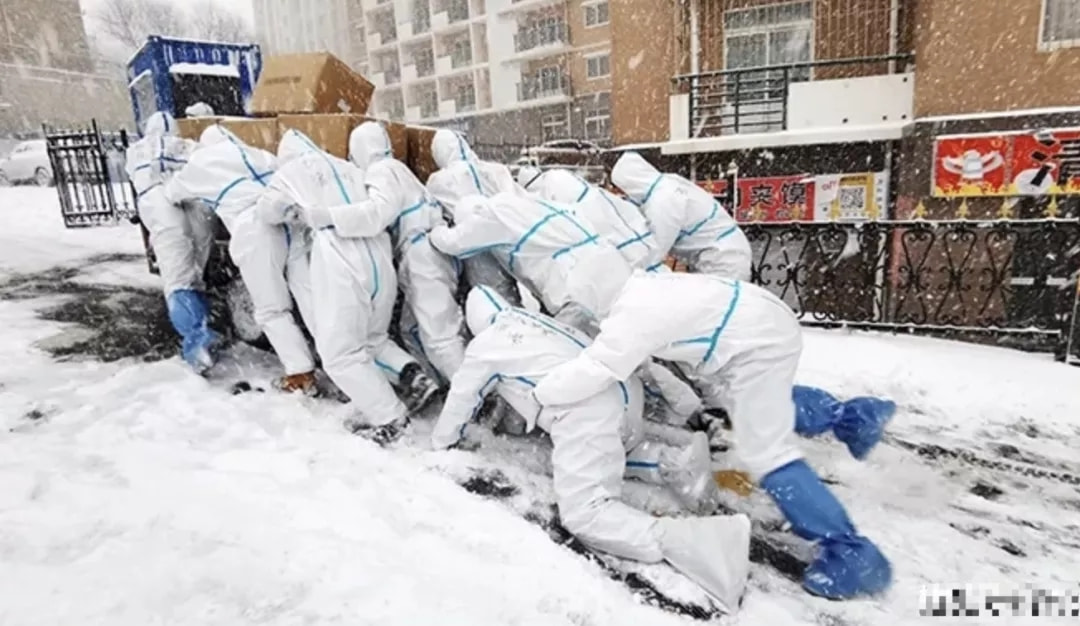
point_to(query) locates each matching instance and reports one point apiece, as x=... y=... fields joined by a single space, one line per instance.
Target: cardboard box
x=420 y=159
x=192 y=127
x=257 y=133
x=331 y=132
x=310 y=83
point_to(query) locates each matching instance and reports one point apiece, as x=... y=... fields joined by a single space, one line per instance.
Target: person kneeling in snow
x=741 y=345
x=399 y=202
x=354 y=287
x=180 y=234
x=512 y=349
x=231 y=177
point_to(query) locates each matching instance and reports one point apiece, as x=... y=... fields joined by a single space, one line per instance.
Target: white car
x=28 y=162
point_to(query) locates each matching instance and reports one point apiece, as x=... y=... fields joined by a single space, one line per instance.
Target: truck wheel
x=242 y=314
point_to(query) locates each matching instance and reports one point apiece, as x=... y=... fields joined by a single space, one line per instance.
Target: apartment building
x=503 y=71
x=290 y=26
x=47 y=71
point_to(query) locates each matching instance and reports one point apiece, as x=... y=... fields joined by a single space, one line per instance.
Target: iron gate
x=91 y=184
x=1009 y=282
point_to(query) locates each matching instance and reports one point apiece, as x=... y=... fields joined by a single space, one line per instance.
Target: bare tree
x=130 y=22
x=210 y=21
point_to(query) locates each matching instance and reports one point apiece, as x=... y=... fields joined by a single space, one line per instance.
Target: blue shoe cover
x=189 y=315
x=816 y=410
x=848 y=565
x=848 y=568
x=863 y=423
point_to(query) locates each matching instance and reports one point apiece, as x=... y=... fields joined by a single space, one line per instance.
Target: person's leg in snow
x=758 y=392
x=588 y=461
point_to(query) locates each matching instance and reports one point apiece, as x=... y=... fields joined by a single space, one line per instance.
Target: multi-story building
x=47 y=71
x=504 y=71
x=289 y=26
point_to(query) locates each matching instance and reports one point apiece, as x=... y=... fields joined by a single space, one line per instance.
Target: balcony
x=525 y=6
x=382 y=39
x=871 y=96
x=461 y=58
x=547 y=88
x=556 y=34
x=456 y=14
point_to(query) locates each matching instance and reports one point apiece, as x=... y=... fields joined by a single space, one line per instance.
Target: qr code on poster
x=852 y=201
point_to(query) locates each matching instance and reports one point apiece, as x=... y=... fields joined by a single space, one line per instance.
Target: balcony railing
x=538 y=89
x=756 y=99
x=530 y=38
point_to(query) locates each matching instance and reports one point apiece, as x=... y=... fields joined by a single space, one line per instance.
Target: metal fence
x=1010 y=282
x=88 y=167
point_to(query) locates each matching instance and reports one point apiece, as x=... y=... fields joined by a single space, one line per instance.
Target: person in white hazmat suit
x=230 y=177
x=687 y=222
x=595 y=442
x=354 y=286
x=552 y=251
x=180 y=234
x=398 y=202
x=619 y=222
x=741 y=345
x=461 y=174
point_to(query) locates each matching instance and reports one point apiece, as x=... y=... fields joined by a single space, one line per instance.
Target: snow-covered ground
x=132 y=492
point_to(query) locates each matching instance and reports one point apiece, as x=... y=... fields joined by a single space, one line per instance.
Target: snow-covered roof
x=205 y=69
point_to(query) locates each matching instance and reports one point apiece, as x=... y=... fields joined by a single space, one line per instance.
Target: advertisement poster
x=1009 y=164
x=777 y=199
x=850 y=197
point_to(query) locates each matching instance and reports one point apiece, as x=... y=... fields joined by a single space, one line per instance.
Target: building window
x=596 y=14
x=549 y=81
x=1060 y=24
x=598 y=66
x=598 y=125
x=775 y=34
x=553 y=126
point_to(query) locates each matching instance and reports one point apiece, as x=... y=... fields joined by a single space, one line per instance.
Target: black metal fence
x=1011 y=282
x=755 y=100
x=88 y=167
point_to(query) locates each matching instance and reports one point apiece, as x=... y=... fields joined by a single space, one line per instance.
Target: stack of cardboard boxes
x=321 y=97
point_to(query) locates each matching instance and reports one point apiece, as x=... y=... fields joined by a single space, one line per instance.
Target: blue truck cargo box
x=171 y=74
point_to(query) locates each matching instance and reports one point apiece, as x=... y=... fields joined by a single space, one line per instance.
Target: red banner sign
x=1008 y=164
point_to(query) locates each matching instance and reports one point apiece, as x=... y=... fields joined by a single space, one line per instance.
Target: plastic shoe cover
x=189 y=315
x=816 y=410
x=862 y=424
x=848 y=569
x=713 y=551
x=690 y=474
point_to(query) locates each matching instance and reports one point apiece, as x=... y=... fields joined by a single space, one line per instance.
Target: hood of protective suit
x=481 y=306
x=561 y=186
x=528 y=175
x=160 y=124
x=369 y=143
x=293 y=144
x=635 y=176
x=199 y=109
x=448 y=146
x=216 y=134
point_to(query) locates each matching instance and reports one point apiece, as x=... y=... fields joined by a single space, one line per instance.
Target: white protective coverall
x=511 y=352
x=556 y=254
x=181 y=234
x=231 y=177
x=741 y=344
x=353 y=278
x=619 y=222
x=462 y=174
x=398 y=202
x=687 y=222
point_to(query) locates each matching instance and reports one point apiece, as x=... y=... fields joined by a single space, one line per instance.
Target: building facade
x=290 y=26
x=47 y=71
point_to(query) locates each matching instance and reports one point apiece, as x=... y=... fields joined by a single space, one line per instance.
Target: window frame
x=1050 y=46
x=592 y=116
x=595 y=6
x=596 y=56
x=563 y=123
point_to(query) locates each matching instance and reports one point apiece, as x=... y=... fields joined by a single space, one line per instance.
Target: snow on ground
x=134 y=493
